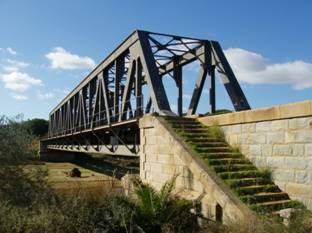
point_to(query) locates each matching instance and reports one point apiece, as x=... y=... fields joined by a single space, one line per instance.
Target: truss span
x=112 y=92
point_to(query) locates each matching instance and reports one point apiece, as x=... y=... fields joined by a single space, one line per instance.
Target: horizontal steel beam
x=184 y=59
x=101 y=149
x=122 y=124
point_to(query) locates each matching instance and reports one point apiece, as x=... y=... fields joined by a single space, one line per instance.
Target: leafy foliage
x=36 y=127
x=159 y=211
x=15 y=141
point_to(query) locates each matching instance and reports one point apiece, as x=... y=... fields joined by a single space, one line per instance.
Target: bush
x=15 y=142
x=160 y=211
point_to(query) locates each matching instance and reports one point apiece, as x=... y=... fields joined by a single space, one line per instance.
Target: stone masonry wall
x=163 y=156
x=278 y=139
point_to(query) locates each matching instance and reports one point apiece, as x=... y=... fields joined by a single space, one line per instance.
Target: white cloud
x=174 y=108
x=45 y=96
x=18 y=81
x=62 y=59
x=187 y=97
x=20 y=64
x=8 y=50
x=20 y=97
x=64 y=91
x=206 y=91
x=14 y=65
x=193 y=66
x=253 y=68
x=11 y=51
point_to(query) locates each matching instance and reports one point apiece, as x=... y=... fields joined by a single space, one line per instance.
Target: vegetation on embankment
x=27 y=204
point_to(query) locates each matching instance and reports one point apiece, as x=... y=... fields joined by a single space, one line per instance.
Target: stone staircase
x=254 y=187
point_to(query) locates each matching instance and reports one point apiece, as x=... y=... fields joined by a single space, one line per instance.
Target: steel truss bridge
x=101 y=114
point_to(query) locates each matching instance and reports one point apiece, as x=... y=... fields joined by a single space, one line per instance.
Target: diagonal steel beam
x=197 y=90
x=156 y=87
x=103 y=76
x=228 y=78
x=127 y=90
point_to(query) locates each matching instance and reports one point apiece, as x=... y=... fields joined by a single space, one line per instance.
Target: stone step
x=209 y=144
x=233 y=183
x=220 y=155
x=196 y=139
x=243 y=174
x=271 y=206
x=264 y=197
x=197 y=131
x=186 y=126
x=252 y=190
x=233 y=167
x=181 y=120
x=228 y=161
x=250 y=184
x=210 y=149
x=197 y=127
x=196 y=134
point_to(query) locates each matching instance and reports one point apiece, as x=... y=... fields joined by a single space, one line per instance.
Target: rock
x=75 y=172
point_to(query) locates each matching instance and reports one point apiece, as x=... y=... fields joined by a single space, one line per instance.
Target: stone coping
x=279 y=112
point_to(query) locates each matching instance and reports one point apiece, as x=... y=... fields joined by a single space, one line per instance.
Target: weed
x=216 y=132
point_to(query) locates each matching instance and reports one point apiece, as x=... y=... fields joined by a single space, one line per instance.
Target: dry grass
x=90 y=181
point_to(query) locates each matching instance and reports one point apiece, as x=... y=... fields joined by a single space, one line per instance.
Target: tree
x=37 y=127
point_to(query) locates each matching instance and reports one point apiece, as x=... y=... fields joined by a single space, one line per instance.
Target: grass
x=216 y=132
x=60 y=182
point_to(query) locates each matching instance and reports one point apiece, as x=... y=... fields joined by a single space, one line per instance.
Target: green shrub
x=36 y=127
x=15 y=142
x=215 y=131
x=161 y=211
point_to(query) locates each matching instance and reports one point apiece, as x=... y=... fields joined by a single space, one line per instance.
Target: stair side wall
x=163 y=156
x=277 y=138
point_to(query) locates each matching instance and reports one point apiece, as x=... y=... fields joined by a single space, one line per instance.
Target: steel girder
x=112 y=92
x=118 y=139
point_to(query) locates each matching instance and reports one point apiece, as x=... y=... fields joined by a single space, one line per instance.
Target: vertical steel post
x=138 y=88
x=177 y=76
x=120 y=67
x=212 y=90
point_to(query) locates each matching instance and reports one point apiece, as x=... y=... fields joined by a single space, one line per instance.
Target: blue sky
x=48 y=47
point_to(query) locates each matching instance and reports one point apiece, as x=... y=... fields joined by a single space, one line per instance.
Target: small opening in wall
x=198 y=207
x=219 y=213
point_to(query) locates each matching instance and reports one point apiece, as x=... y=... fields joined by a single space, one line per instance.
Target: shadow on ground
x=116 y=166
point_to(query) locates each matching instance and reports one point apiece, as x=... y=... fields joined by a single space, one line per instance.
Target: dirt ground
x=90 y=180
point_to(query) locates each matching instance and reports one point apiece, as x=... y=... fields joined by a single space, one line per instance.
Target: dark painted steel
x=212 y=90
x=113 y=91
